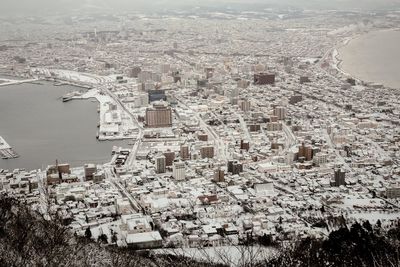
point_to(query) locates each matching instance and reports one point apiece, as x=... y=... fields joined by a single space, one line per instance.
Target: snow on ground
x=73 y=76
x=373 y=216
x=230 y=255
x=126 y=129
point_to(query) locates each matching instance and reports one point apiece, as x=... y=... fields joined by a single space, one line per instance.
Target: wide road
x=110 y=176
x=219 y=144
x=132 y=156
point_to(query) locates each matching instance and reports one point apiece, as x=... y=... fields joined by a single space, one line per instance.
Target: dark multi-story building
x=160 y=164
x=90 y=170
x=235 y=167
x=254 y=127
x=393 y=192
x=184 y=153
x=304 y=79
x=134 y=72
x=207 y=152
x=244 y=145
x=295 y=99
x=340 y=177
x=202 y=137
x=169 y=158
x=264 y=78
x=305 y=152
x=157 y=95
x=54 y=173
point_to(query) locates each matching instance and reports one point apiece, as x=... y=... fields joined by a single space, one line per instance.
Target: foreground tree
x=28 y=239
x=359 y=246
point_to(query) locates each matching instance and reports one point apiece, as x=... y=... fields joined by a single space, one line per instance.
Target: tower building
x=160 y=115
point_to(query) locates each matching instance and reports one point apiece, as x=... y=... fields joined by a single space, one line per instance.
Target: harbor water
x=41 y=128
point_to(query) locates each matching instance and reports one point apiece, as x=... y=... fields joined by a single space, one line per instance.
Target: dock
x=6 y=151
x=7 y=82
x=69 y=96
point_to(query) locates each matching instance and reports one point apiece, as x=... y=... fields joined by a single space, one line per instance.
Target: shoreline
x=338 y=60
x=59 y=81
x=98 y=151
x=93 y=94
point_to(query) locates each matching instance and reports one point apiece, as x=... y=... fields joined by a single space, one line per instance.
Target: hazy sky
x=10 y=7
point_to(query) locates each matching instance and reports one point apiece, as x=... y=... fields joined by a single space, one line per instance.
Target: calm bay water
x=41 y=128
x=374 y=57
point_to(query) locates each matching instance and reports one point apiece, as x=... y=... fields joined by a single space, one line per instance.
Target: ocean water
x=41 y=128
x=374 y=57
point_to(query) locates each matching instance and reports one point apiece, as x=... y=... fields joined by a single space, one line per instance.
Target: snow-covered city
x=238 y=127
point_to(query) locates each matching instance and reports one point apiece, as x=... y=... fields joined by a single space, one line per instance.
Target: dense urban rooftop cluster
x=240 y=128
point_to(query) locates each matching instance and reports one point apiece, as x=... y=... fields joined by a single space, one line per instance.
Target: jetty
x=69 y=96
x=6 y=151
x=7 y=82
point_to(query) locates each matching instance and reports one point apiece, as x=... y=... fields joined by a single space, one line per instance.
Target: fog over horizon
x=34 y=7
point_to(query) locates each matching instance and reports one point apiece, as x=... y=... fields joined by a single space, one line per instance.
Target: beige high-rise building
x=280 y=112
x=274 y=126
x=160 y=115
x=219 y=176
x=243 y=84
x=178 y=171
x=244 y=105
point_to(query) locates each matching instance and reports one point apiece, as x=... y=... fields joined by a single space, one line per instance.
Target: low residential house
x=230 y=229
x=208 y=199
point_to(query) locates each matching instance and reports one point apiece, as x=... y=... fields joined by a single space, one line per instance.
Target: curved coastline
x=76 y=144
x=338 y=60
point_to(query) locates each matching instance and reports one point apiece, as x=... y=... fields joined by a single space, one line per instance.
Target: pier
x=6 y=82
x=6 y=151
